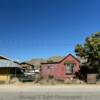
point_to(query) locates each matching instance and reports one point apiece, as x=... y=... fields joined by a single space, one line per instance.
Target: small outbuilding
x=8 y=69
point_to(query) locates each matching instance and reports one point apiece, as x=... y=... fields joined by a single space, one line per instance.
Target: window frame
x=70 y=70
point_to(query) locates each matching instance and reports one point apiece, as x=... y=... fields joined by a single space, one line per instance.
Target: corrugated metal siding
x=8 y=63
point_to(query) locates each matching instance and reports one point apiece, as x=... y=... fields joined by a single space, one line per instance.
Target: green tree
x=90 y=51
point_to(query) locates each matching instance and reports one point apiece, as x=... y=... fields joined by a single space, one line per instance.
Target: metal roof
x=3 y=57
x=8 y=63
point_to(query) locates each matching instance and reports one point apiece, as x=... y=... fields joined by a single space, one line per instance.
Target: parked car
x=27 y=77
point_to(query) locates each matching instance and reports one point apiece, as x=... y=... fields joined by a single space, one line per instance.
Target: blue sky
x=43 y=28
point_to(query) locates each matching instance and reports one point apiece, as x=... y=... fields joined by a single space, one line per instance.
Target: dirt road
x=71 y=92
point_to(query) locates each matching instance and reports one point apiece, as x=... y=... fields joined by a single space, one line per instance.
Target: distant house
x=66 y=68
x=8 y=69
x=29 y=68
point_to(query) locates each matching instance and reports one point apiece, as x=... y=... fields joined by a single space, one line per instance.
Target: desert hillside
x=37 y=62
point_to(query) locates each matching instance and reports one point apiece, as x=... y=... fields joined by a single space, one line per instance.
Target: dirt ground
x=57 y=92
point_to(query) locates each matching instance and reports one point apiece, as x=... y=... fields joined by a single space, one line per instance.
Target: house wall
x=62 y=69
x=5 y=73
x=58 y=70
x=45 y=71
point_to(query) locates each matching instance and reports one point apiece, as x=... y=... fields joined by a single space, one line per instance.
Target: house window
x=32 y=67
x=69 y=68
x=50 y=67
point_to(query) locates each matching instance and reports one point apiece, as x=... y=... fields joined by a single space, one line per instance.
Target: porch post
x=15 y=71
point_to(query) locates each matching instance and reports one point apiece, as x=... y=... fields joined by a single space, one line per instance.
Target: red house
x=66 y=68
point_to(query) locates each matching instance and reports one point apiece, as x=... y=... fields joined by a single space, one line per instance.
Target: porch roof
x=9 y=63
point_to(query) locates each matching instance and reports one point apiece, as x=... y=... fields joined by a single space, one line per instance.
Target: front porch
x=7 y=74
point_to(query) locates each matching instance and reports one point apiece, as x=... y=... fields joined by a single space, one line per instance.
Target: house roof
x=3 y=57
x=62 y=60
x=26 y=63
x=8 y=63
